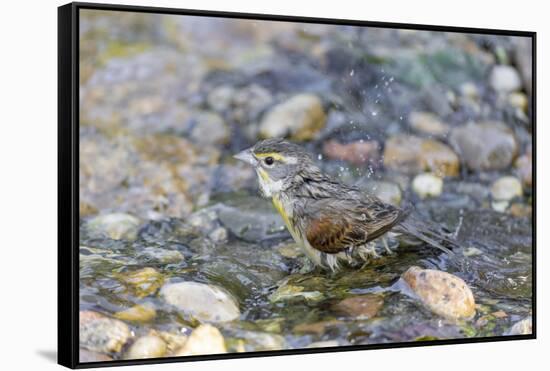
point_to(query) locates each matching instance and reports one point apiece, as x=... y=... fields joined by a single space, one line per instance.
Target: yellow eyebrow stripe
x=275 y=155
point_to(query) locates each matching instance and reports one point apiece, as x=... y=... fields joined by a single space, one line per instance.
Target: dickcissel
x=332 y=222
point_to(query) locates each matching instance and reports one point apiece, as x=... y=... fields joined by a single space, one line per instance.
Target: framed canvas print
x=238 y=185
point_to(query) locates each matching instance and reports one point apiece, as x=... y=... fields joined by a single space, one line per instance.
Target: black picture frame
x=68 y=178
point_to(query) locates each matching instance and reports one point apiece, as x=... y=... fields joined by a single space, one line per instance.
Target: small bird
x=332 y=222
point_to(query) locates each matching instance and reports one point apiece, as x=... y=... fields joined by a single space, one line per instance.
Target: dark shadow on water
x=50 y=355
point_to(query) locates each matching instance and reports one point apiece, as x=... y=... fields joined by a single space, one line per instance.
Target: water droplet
x=373 y=113
x=351 y=72
x=319 y=156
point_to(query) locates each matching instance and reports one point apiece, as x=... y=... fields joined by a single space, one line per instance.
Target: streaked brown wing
x=332 y=230
x=332 y=235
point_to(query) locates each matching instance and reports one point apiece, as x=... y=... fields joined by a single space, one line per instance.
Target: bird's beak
x=247 y=157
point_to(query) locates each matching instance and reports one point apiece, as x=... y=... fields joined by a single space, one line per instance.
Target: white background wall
x=28 y=181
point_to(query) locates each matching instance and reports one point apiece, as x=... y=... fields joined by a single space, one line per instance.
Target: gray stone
x=504 y=79
x=118 y=226
x=485 y=146
x=102 y=334
x=206 y=303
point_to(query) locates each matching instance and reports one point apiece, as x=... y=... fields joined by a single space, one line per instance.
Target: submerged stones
x=205 y=303
x=102 y=334
x=143 y=282
x=361 y=306
x=137 y=313
x=299 y=118
x=412 y=155
x=287 y=292
x=441 y=292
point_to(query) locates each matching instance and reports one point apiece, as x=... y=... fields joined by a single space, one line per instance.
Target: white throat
x=268 y=187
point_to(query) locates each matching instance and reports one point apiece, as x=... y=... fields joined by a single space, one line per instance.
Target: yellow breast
x=282 y=210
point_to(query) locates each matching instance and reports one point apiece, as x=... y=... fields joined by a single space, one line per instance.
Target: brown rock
x=357 y=153
x=413 y=155
x=143 y=282
x=316 y=328
x=443 y=293
x=524 y=168
x=137 y=313
x=520 y=210
x=362 y=306
x=428 y=123
x=300 y=118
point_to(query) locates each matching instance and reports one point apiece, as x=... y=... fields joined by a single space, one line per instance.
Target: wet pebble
x=299 y=118
x=357 y=153
x=443 y=293
x=137 y=313
x=205 y=339
x=173 y=341
x=412 y=155
x=148 y=346
x=523 y=327
x=316 y=328
x=504 y=79
x=485 y=146
x=118 y=226
x=428 y=123
x=288 y=292
x=206 y=303
x=160 y=255
x=518 y=100
x=506 y=188
x=521 y=210
x=209 y=129
x=102 y=334
x=85 y=356
x=524 y=168
x=257 y=341
x=361 y=306
x=143 y=282
x=427 y=185
x=323 y=344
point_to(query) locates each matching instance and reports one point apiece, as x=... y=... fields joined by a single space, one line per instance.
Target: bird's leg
x=367 y=251
x=386 y=246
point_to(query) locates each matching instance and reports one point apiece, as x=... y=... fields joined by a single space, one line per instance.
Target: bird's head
x=277 y=163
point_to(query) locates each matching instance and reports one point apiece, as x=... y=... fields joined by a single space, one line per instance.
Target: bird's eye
x=269 y=161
